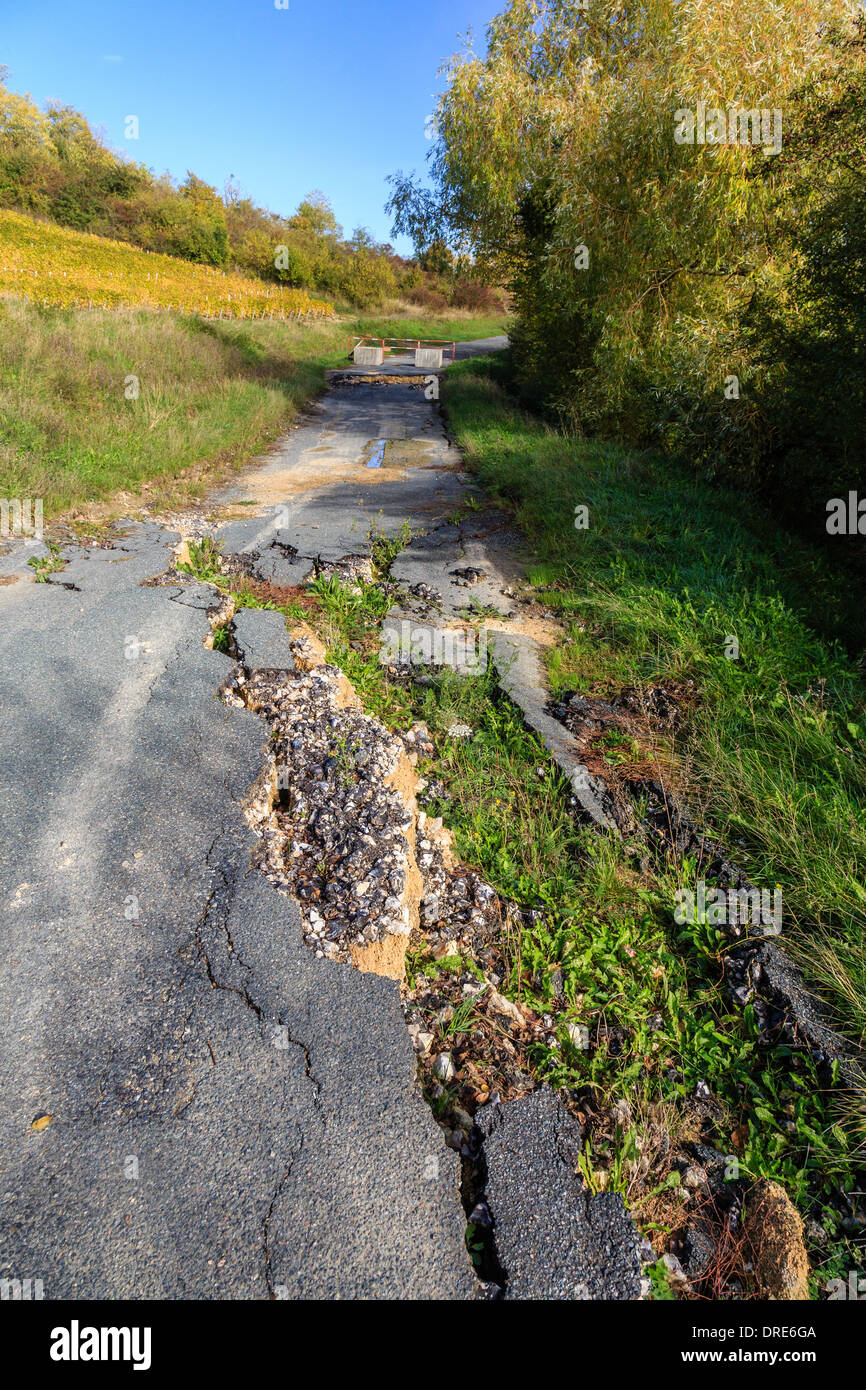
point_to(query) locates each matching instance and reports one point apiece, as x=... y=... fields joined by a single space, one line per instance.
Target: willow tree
x=618 y=162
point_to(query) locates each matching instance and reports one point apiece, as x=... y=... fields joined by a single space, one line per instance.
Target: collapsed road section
x=196 y=1106
x=216 y=1091
x=339 y=829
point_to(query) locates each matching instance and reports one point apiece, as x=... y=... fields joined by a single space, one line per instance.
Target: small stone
x=443 y=1068
x=578 y=1035
x=621 y=1113
x=674 y=1269
x=694 y=1178
x=815 y=1231
x=501 y=1005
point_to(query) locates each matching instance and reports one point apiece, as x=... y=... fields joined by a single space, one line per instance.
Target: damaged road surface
x=198 y=1103
x=229 y=1116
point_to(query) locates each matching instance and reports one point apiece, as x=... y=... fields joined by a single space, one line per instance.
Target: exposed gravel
x=333 y=830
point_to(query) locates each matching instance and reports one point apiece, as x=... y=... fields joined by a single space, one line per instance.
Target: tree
x=417 y=212
x=635 y=254
x=315 y=214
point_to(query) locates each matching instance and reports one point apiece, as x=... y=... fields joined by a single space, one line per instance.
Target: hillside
x=56 y=167
x=48 y=264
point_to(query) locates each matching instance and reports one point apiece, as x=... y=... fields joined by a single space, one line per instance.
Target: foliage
x=809 y=343
x=54 y=167
x=771 y=744
x=648 y=272
x=767 y=752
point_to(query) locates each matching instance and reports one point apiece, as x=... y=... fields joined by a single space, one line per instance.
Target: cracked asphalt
x=196 y=1107
x=230 y=1117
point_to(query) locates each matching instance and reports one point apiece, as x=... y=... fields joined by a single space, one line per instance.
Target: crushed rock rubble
x=334 y=831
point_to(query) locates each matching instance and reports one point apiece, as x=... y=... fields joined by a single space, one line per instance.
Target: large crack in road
x=182 y=1118
x=231 y=1113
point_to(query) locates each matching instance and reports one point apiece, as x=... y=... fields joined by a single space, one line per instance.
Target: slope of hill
x=96 y=403
x=53 y=265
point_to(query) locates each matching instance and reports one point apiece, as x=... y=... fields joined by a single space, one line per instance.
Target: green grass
x=208 y=394
x=771 y=754
x=456 y=327
x=774 y=750
x=349 y=624
x=607 y=955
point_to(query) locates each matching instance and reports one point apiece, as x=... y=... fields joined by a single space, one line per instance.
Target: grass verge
x=665 y=583
x=770 y=750
x=94 y=403
x=455 y=326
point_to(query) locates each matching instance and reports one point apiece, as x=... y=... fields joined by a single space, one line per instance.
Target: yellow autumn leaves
x=57 y=266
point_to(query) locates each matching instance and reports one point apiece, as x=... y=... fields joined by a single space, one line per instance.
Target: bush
x=428 y=299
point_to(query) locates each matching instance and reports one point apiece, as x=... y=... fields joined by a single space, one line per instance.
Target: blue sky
x=329 y=94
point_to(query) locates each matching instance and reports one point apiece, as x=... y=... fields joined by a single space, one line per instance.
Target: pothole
x=396 y=453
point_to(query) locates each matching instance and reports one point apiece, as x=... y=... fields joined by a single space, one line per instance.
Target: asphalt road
x=230 y=1117
x=194 y=1105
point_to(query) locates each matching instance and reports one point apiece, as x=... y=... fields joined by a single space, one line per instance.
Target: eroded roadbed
x=214 y=1091
x=229 y=1116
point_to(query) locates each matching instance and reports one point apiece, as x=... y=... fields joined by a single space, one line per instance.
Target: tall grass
x=72 y=431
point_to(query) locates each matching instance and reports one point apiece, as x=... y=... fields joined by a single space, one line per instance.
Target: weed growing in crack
x=351 y=617
x=206 y=563
x=660 y=1280
x=46 y=564
x=385 y=549
x=204 y=560
x=222 y=639
x=345 y=755
x=469 y=505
